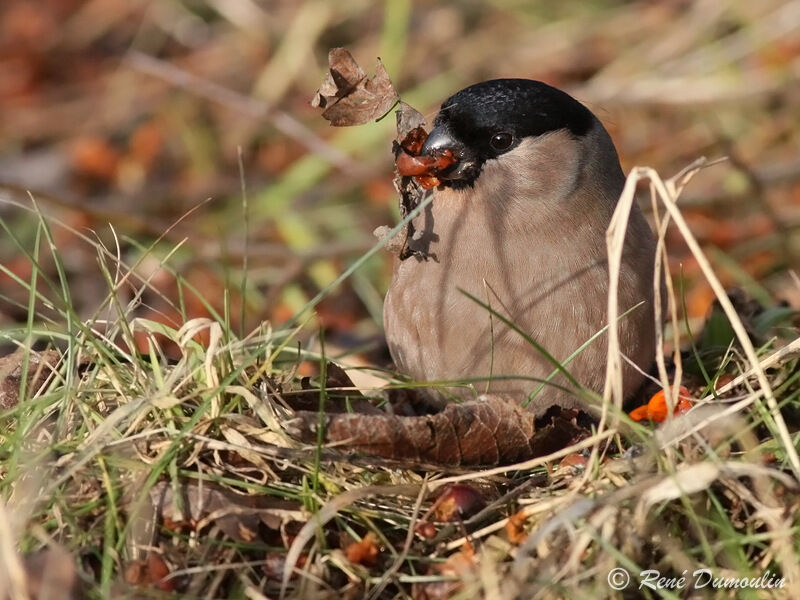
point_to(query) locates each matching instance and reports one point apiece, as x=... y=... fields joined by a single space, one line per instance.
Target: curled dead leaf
x=488 y=431
x=239 y=516
x=348 y=96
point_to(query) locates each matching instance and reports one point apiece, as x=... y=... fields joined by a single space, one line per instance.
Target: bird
x=513 y=245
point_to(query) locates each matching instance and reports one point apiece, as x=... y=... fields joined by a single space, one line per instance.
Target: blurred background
x=135 y=123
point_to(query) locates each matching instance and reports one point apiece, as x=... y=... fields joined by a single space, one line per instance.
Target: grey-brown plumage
x=520 y=223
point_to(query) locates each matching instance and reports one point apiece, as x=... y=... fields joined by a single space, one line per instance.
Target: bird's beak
x=439 y=141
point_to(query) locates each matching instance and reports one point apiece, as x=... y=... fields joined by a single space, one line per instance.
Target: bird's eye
x=501 y=141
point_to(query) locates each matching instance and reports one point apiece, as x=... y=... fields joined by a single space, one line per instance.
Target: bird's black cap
x=490 y=118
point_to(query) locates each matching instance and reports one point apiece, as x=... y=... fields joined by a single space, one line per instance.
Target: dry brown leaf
x=489 y=431
x=348 y=96
x=237 y=515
